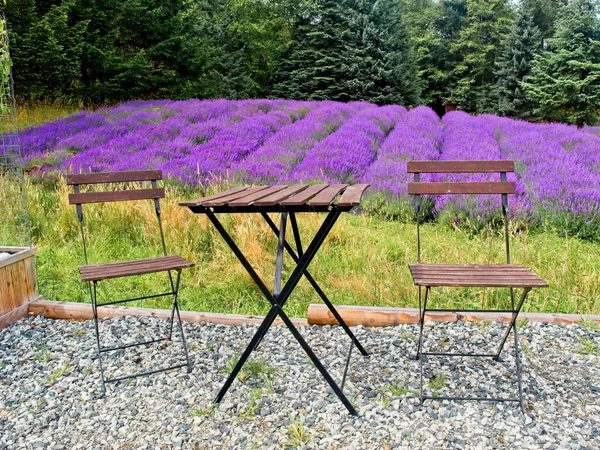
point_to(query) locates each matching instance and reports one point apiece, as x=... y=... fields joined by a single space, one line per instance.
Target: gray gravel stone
x=49 y=386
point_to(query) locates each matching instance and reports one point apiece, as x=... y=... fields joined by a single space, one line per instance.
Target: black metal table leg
x=278 y=301
x=312 y=281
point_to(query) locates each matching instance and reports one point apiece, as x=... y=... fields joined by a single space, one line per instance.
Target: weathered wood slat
x=116 y=196
x=83 y=311
x=352 y=195
x=327 y=195
x=249 y=199
x=460 y=166
x=278 y=197
x=474 y=276
x=304 y=196
x=236 y=195
x=199 y=201
x=479 y=187
x=127 y=268
x=113 y=177
x=375 y=316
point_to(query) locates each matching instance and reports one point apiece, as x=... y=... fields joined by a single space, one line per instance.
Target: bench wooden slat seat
x=97 y=272
x=468 y=275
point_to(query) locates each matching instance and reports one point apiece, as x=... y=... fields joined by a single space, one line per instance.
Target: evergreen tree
x=380 y=63
x=476 y=49
x=313 y=65
x=565 y=79
x=514 y=64
x=350 y=50
x=433 y=26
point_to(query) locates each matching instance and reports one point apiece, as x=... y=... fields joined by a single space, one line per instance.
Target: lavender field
x=200 y=143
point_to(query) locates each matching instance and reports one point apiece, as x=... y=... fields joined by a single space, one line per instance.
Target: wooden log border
x=367 y=316
x=373 y=316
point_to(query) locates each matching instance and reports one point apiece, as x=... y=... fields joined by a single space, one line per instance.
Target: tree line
x=534 y=59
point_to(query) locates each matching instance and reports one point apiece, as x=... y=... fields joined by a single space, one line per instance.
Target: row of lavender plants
x=270 y=141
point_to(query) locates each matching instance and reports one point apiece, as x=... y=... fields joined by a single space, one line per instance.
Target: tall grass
x=362 y=262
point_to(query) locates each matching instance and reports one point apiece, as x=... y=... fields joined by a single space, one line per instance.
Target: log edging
x=373 y=316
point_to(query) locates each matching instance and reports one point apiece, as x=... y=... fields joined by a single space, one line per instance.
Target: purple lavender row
x=556 y=177
x=344 y=156
x=416 y=136
x=274 y=160
x=148 y=144
x=215 y=159
x=470 y=138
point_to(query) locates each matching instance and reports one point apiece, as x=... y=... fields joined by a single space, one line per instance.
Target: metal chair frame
x=136 y=177
x=515 y=306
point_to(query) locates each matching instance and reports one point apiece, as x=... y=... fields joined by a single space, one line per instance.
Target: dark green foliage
x=565 y=80
x=514 y=64
x=350 y=50
x=476 y=50
x=433 y=26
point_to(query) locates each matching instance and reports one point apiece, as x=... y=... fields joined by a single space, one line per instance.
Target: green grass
x=362 y=262
x=39 y=113
x=587 y=347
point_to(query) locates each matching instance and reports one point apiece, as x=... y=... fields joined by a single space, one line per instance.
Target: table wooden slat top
x=281 y=198
x=469 y=275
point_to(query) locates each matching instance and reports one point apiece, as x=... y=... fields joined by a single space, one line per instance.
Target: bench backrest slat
x=116 y=196
x=113 y=177
x=460 y=166
x=472 y=187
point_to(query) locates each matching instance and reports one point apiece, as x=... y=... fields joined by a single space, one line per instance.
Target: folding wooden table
x=287 y=200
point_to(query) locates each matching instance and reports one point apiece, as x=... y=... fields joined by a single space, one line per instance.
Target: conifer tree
x=476 y=49
x=514 y=64
x=565 y=79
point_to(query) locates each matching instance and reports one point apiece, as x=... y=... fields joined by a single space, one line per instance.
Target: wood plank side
x=304 y=196
x=375 y=316
x=278 y=197
x=489 y=187
x=200 y=200
x=113 y=177
x=83 y=311
x=327 y=195
x=460 y=166
x=352 y=195
x=116 y=196
x=224 y=200
x=251 y=198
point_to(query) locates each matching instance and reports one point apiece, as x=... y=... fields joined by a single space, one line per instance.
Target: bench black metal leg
x=311 y=280
x=93 y=293
x=421 y=321
x=278 y=301
x=496 y=356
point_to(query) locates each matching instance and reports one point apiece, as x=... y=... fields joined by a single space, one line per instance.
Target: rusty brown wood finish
x=278 y=197
x=236 y=195
x=304 y=196
x=116 y=196
x=352 y=195
x=461 y=275
x=251 y=198
x=327 y=195
x=438 y=188
x=199 y=201
x=97 y=272
x=460 y=166
x=113 y=177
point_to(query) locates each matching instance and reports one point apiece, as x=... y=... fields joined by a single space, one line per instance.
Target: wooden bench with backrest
x=506 y=275
x=117 y=187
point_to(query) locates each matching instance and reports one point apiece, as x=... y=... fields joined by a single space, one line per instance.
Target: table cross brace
x=278 y=299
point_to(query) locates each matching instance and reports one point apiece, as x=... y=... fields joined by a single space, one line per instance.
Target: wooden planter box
x=18 y=283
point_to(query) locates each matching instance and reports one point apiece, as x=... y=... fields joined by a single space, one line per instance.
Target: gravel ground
x=49 y=382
